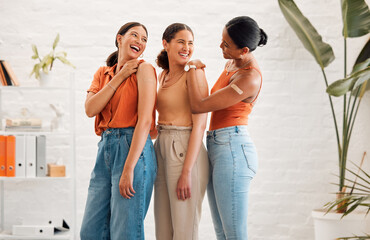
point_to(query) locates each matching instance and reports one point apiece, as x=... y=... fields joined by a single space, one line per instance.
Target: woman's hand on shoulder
x=128 y=68
x=197 y=63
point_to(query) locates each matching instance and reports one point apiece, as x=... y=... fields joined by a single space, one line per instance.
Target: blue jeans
x=233 y=164
x=108 y=215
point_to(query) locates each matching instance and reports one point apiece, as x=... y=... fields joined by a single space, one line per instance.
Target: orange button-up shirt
x=122 y=109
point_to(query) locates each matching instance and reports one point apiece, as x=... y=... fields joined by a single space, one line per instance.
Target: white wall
x=291 y=124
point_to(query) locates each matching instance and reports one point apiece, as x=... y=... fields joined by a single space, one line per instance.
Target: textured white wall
x=291 y=124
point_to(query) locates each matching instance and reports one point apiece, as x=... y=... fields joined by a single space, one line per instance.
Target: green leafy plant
x=46 y=63
x=356 y=23
x=359 y=195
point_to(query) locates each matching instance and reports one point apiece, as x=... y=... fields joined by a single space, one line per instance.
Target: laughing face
x=133 y=43
x=180 y=48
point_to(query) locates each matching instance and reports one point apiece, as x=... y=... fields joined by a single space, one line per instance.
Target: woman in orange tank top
x=122 y=98
x=232 y=154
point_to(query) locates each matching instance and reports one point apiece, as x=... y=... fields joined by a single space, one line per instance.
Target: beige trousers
x=177 y=219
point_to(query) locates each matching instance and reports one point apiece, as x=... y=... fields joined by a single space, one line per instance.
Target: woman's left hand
x=183 y=189
x=197 y=63
x=126 y=184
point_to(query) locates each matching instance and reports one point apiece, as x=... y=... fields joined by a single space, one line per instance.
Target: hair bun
x=263 y=39
x=162 y=60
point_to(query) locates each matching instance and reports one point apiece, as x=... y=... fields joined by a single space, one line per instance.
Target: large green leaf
x=342 y=86
x=364 y=54
x=363 y=76
x=356 y=18
x=311 y=39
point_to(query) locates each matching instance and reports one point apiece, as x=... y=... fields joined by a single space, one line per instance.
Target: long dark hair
x=245 y=32
x=112 y=59
x=168 y=35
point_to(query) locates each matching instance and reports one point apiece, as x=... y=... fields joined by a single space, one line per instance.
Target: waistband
x=118 y=131
x=233 y=129
x=171 y=128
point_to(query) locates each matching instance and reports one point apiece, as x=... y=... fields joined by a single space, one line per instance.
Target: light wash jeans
x=233 y=164
x=108 y=215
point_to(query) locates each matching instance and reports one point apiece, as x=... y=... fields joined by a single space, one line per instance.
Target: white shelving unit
x=68 y=182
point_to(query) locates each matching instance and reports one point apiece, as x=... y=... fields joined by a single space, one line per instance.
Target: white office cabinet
x=28 y=199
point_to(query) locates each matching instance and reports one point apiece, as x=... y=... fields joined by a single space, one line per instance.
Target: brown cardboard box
x=56 y=170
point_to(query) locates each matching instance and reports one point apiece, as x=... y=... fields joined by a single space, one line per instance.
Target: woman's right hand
x=128 y=68
x=126 y=184
x=197 y=63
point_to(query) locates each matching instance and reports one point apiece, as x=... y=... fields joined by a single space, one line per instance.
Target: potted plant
x=358 y=197
x=43 y=67
x=356 y=23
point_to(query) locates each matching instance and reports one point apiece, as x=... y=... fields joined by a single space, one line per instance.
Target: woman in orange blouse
x=122 y=98
x=232 y=154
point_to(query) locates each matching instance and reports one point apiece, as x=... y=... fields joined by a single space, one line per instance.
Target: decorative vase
x=332 y=226
x=45 y=79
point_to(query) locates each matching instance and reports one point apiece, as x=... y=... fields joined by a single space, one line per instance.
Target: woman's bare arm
x=147 y=90
x=195 y=142
x=244 y=86
x=96 y=102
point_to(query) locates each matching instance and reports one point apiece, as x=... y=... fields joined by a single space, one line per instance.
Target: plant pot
x=45 y=79
x=331 y=226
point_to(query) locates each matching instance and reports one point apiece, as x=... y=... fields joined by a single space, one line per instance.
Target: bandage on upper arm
x=236 y=88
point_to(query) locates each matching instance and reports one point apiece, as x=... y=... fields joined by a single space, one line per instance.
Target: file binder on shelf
x=30 y=156
x=2 y=156
x=41 y=156
x=20 y=156
x=10 y=156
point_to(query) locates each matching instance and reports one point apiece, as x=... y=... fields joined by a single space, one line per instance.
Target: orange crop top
x=234 y=115
x=121 y=110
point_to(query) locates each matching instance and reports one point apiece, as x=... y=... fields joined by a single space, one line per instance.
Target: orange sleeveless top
x=121 y=110
x=234 y=115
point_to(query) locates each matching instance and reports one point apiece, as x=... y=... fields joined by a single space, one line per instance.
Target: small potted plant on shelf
x=43 y=67
x=356 y=23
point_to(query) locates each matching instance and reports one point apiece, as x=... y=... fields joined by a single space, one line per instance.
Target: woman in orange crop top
x=122 y=98
x=232 y=154
x=183 y=167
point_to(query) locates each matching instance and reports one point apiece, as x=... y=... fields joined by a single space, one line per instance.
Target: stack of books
x=7 y=76
x=30 y=124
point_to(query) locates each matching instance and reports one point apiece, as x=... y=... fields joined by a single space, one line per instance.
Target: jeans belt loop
x=236 y=129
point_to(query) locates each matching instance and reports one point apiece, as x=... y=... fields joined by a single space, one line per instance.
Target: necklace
x=228 y=71
x=174 y=78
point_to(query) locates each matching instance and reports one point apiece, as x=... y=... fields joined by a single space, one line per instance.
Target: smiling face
x=133 y=43
x=180 y=48
x=229 y=49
